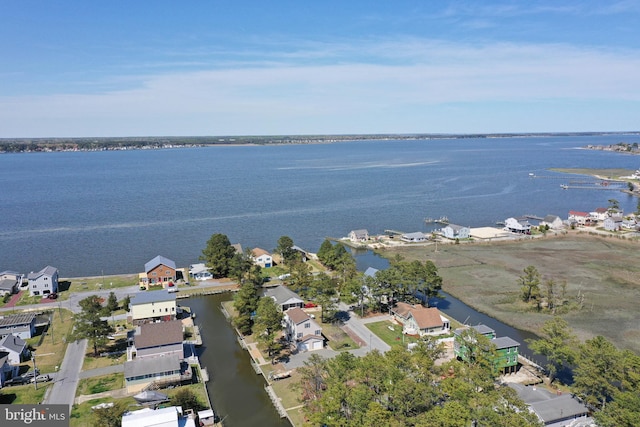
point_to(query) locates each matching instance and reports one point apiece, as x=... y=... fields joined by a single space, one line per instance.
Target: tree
x=285 y=249
x=558 y=344
x=218 y=255
x=187 y=399
x=245 y=301
x=126 y=302
x=268 y=323
x=325 y=253
x=598 y=373
x=108 y=416
x=112 y=303
x=241 y=265
x=614 y=205
x=530 y=284
x=323 y=291
x=89 y=325
x=301 y=277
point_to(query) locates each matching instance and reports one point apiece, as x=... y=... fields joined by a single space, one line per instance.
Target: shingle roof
x=281 y=294
x=157 y=261
x=17 y=319
x=48 y=270
x=504 y=342
x=402 y=309
x=426 y=317
x=151 y=365
x=256 y=252
x=558 y=408
x=13 y=343
x=8 y=284
x=297 y=315
x=146 y=297
x=455 y=227
x=158 y=334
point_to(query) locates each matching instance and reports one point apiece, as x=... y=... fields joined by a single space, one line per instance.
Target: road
x=66 y=379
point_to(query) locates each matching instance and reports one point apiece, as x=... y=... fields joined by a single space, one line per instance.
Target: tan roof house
x=419 y=320
x=262 y=258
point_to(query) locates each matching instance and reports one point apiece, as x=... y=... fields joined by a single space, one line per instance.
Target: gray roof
x=13 y=343
x=48 y=271
x=146 y=297
x=16 y=319
x=415 y=234
x=371 y=272
x=550 y=218
x=483 y=329
x=455 y=227
x=151 y=365
x=281 y=294
x=157 y=261
x=504 y=342
x=8 y=284
x=558 y=408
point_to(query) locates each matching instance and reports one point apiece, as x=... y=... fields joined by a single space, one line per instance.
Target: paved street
x=66 y=380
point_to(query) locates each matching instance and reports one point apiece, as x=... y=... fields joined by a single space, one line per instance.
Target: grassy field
x=100 y=384
x=393 y=337
x=605 y=270
x=23 y=394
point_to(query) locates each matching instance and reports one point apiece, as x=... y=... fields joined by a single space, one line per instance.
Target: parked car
x=15 y=381
x=284 y=276
x=41 y=378
x=53 y=295
x=31 y=374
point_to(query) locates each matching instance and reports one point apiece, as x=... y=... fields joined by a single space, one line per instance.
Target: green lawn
x=394 y=337
x=23 y=394
x=100 y=384
x=338 y=339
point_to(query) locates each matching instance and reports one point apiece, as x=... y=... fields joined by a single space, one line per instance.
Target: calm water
x=110 y=212
x=93 y=213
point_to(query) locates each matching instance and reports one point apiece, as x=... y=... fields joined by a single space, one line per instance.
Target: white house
x=10 y=281
x=553 y=221
x=419 y=320
x=284 y=297
x=302 y=330
x=15 y=347
x=453 y=231
x=262 y=258
x=599 y=214
x=580 y=218
x=357 y=236
x=44 y=282
x=172 y=416
x=151 y=306
x=515 y=225
x=613 y=223
x=414 y=237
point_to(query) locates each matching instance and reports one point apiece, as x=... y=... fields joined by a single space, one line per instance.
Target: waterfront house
x=44 y=282
x=599 y=214
x=200 y=271
x=629 y=223
x=284 y=297
x=419 y=320
x=172 y=416
x=302 y=254
x=519 y=226
x=358 y=236
x=152 y=306
x=22 y=325
x=261 y=258
x=505 y=356
x=302 y=331
x=10 y=282
x=553 y=221
x=579 y=218
x=164 y=370
x=553 y=409
x=453 y=231
x=15 y=347
x=238 y=248
x=158 y=271
x=414 y=237
x=613 y=223
x=156 y=339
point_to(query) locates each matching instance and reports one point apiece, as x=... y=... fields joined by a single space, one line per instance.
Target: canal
x=237 y=393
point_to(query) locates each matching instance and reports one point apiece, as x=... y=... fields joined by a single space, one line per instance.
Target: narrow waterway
x=236 y=391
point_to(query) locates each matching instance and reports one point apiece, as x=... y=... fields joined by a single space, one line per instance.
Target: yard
x=391 y=333
x=602 y=270
x=100 y=384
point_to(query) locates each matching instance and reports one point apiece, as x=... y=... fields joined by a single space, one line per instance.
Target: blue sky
x=79 y=68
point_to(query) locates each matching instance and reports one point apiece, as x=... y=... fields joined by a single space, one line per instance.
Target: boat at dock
x=441 y=220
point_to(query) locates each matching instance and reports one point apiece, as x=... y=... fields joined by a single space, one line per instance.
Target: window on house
x=318 y=332
x=307 y=325
x=299 y=334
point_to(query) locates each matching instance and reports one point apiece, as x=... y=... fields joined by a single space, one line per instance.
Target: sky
x=212 y=68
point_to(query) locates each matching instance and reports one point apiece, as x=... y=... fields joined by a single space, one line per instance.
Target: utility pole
x=35 y=370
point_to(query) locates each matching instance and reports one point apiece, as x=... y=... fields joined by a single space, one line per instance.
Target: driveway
x=66 y=380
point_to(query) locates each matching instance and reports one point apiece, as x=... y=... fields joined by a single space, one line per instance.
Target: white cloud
x=383 y=80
